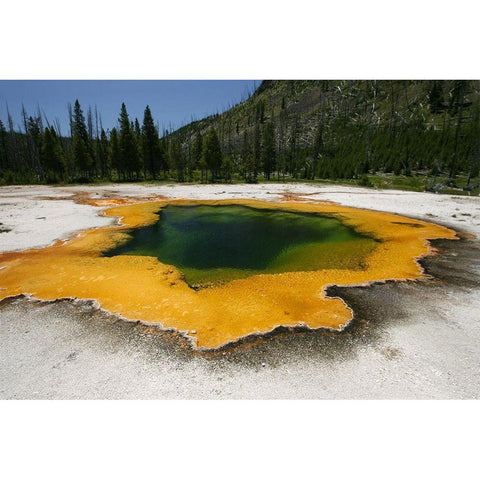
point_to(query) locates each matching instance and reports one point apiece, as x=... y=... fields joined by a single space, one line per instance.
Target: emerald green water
x=221 y=243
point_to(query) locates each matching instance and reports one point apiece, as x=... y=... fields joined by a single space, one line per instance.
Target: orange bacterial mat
x=142 y=288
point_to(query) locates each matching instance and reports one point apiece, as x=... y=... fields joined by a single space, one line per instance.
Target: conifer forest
x=416 y=134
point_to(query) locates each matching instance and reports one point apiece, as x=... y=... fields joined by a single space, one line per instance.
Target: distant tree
x=203 y=169
x=33 y=133
x=268 y=149
x=435 y=96
x=244 y=153
x=212 y=153
x=4 y=148
x=114 y=157
x=164 y=165
x=177 y=159
x=90 y=124
x=317 y=148
x=227 y=167
x=150 y=145
x=457 y=95
x=52 y=156
x=260 y=112
x=197 y=150
x=104 y=165
x=16 y=157
x=250 y=169
x=292 y=147
x=460 y=90
x=474 y=146
x=257 y=146
x=129 y=156
x=81 y=146
x=137 y=129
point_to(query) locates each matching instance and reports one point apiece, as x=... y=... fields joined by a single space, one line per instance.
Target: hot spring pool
x=216 y=244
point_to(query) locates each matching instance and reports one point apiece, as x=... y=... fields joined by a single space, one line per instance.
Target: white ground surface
x=55 y=351
x=34 y=222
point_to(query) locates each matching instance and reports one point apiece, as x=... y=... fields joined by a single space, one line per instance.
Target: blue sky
x=171 y=101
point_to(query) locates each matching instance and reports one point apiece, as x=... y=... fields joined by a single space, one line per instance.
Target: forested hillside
x=287 y=130
x=345 y=129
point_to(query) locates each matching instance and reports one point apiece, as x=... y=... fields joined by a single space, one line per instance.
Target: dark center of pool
x=215 y=244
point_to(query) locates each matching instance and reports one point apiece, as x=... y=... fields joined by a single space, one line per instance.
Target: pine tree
x=34 y=139
x=250 y=168
x=114 y=157
x=457 y=95
x=129 y=157
x=102 y=155
x=268 y=150
x=177 y=159
x=260 y=112
x=292 y=145
x=197 y=150
x=52 y=156
x=474 y=147
x=16 y=163
x=81 y=146
x=317 y=148
x=435 y=96
x=90 y=123
x=459 y=92
x=150 y=145
x=4 y=150
x=212 y=153
x=257 y=146
x=227 y=167
x=137 y=129
x=164 y=165
x=244 y=154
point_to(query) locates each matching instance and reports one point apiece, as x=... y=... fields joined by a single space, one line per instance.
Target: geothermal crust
x=142 y=288
x=408 y=339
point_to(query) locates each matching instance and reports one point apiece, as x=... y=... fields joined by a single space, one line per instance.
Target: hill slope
x=343 y=129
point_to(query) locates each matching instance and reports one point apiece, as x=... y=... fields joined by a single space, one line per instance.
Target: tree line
x=355 y=129
x=40 y=154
